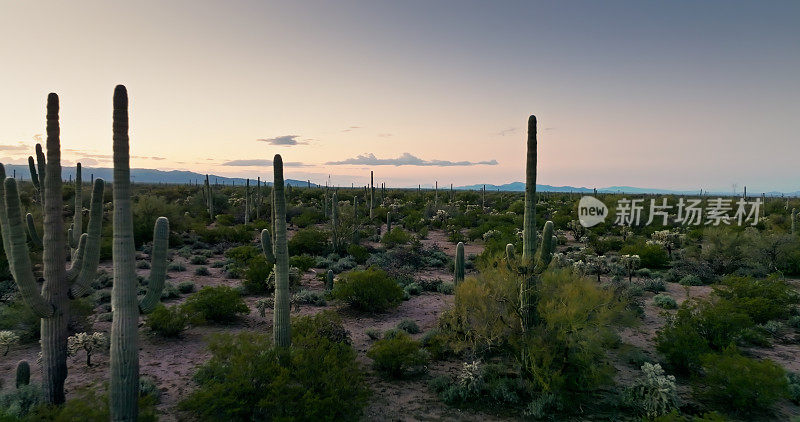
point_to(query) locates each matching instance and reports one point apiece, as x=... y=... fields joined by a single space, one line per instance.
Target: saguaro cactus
x=458 y=269
x=529 y=219
x=794 y=219
x=388 y=222
x=281 y=330
x=23 y=373
x=124 y=392
x=76 y=230
x=329 y=281
x=51 y=304
x=371 y=194
x=209 y=198
x=247 y=201
x=510 y=252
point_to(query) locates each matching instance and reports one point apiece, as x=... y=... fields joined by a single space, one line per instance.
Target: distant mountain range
x=185 y=177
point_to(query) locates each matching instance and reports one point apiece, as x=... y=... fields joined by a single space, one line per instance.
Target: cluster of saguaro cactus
x=125 y=305
x=281 y=330
x=52 y=303
x=458 y=268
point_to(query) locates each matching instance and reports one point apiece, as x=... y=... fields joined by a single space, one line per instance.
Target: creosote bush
x=221 y=304
x=370 y=290
x=247 y=378
x=167 y=322
x=397 y=356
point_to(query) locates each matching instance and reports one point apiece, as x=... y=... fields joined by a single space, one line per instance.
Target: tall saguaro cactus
x=371 y=194
x=126 y=306
x=529 y=220
x=52 y=303
x=281 y=330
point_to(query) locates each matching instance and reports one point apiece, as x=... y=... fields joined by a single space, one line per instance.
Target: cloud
x=384 y=135
x=509 y=131
x=351 y=128
x=285 y=140
x=257 y=162
x=19 y=147
x=407 y=159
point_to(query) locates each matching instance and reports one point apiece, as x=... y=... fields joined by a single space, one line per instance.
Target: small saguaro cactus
x=23 y=373
x=335 y=221
x=51 y=304
x=281 y=330
x=388 y=222
x=247 y=201
x=371 y=194
x=458 y=270
x=510 y=252
x=126 y=307
x=548 y=246
x=267 y=247
x=794 y=219
x=329 y=281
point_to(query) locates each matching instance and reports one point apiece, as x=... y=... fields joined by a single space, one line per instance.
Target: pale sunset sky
x=675 y=95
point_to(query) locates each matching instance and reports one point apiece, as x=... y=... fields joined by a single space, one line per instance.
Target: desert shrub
x=249 y=379
x=397 y=356
x=358 y=252
x=325 y=324
x=91 y=405
x=309 y=241
x=664 y=301
x=201 y=271
x=445 y=288
x=303 y=262
x=186 y=287
x=655 y=285
x=7 y=339
x=413 y=289
x=690 y=280
x=167 y=322
x=256 y=275
x=198 y=260
x=143 y=265
x=102 y=296
x=216 y=304
x=220 y=234
x=241 y=255
x=370 y=290
x=343 y=264
x=793 y=381
x=309 y=297
x=480 y=383
x=409 y=325
x=373 y=333
x=176 y=267
x=263 y=304
x=396 y=237
x=651 y=255
x=19 y=402
x=739 y=384
x=169 y=292
x=654 y=393
x=763 y=300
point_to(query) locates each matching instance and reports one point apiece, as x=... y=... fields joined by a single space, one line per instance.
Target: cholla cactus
x=7 y=339
x=560 y=260
x=87 y=342
x=491 y=234
x=576 y=228
x=470 y=379
x=669 y=239
x=263 y=304
x=654 y=394
x=630 y=263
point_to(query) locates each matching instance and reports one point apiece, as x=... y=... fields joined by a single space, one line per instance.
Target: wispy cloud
x=19 y=147
x=384 y=135
x=506 y=132
x=258 y=162
x=407 y=159
x=351 y=128
x=285 y=140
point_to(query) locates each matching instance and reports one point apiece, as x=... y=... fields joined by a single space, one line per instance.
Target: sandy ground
x=171 y=362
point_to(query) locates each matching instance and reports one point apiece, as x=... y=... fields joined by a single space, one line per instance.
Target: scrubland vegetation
x=297 y=303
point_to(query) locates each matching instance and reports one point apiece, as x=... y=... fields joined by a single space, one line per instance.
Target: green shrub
x=762 y=300
x=690 y=280
x=655 y=285
x=373 y=333
x=664 y=301
x=198 y=260
x=651 y=255
x=249 y=379
x=92 y=406
x=370 y=290
x=201 y=271
x=397 y=356
x=242 y=255
x=309 y=241
x=176 y=267
x=20 y=401
x=220 y=304
x=169 y=292
x=409 y=325
x=256 y=275
x=186 y=287
x=793 y=381
x=413 y=289
x=358 y=252
x=738 y=384
x=309 y=297
x=303 y=262
x=167 y=322
x=396 y=237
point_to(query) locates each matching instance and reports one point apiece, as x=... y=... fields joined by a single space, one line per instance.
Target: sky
x=673 y=95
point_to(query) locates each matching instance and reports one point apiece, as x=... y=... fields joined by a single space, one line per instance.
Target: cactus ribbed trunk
x=458 y=268
x=329 y=281
x=77 y=221
x=124 y=328
x=529 y=222
x=281 y=328
x=388 y=222
x=23 y=373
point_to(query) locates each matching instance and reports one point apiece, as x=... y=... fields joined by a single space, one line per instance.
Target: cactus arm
x=546 y=250
x=34 y=175
x=88 y=270
x=280 y=328
x=77 y=220
x=77 y=261
x=41 y=163
x=158 y=266
x=17 y=252
x=32 y=233
x=266 y=246
x=529 y=219
x=70 y=238
x=4 y=216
